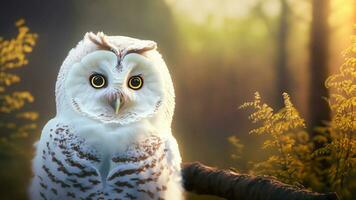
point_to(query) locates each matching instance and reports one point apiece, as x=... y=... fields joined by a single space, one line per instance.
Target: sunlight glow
x=215 y=11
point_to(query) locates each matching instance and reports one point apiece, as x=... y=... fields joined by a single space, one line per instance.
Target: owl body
x=110 y=138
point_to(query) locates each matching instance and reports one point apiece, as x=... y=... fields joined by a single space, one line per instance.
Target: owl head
x=115 y=80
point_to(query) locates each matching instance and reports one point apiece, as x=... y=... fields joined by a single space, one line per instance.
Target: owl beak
x=117 y=105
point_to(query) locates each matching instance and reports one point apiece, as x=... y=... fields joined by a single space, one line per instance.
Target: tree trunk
x=318 y=108
x=282 y=53
x=230 y=185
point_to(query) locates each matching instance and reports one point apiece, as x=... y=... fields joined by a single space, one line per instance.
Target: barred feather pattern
x=69 y=170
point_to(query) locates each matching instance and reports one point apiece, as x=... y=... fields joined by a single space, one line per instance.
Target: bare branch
x=230 y=185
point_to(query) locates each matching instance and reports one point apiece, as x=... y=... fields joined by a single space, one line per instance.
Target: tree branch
x=230 y=185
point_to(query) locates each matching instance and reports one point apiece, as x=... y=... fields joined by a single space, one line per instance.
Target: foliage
x=16 y=122
x=341 y=151
x=287 y=137
x=238 y=147
x=295 y=158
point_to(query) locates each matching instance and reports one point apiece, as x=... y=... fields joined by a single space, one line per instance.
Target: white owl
x=111 y=137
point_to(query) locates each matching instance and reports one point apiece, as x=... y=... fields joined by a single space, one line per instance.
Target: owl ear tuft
x=130 y=46
x=94 y=38
x=140 y=47
x=101 y=40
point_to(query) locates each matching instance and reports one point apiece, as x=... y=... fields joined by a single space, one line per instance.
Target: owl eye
x=135 y=82
x=97 y=81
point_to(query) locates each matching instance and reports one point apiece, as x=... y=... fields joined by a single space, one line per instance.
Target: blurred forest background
x=219 y=53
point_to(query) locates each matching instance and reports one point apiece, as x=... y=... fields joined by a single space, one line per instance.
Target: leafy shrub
x=296 y=159
x=15 y=122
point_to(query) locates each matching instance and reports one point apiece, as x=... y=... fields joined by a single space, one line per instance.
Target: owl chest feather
x=73 y=168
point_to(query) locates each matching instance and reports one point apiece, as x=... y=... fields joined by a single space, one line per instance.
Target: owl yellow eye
x=97 y=81
x=135 y=82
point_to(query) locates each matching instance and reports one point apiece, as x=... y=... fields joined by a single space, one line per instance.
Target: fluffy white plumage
x=114 y=142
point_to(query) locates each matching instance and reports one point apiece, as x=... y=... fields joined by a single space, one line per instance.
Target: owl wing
x=64 y=167
x=149 y=169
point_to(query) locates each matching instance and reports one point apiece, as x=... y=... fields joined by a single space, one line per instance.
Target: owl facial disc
x=100 y=87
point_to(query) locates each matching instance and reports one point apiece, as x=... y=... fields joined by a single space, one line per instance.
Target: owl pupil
x=97 y=81
x=136 y=82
